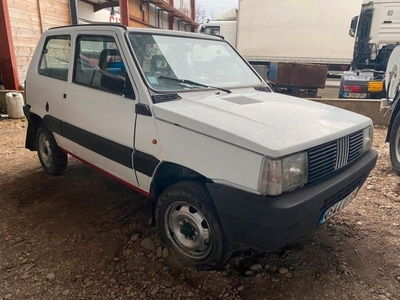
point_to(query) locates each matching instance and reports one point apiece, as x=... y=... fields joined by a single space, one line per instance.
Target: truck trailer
x=305 y=37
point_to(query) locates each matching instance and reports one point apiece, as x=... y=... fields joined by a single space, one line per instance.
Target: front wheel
x=188 y=224
x=53 y=160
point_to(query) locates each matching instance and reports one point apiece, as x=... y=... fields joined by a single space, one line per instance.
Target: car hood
x=267 y=123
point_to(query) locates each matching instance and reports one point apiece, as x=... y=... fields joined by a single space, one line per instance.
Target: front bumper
x=269 y=223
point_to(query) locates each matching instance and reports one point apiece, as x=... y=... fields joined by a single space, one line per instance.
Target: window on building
x=55 y=57
x=176 y=24
x=153 y=15
x=183 y=26
x=186 y=7
x=164 y=20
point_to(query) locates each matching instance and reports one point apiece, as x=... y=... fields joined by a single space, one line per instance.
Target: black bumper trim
x=269 y=223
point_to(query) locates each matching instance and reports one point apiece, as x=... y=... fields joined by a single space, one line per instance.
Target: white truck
x=375 y=69
x=376 y=34
x=292 y=31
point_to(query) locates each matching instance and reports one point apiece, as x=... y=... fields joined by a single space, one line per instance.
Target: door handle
x=65 y=96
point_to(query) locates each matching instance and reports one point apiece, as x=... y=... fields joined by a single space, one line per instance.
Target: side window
x=55 y=57
x=98 y=64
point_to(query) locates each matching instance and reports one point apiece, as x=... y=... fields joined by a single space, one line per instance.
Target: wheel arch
x=168 y=174
x=395 y=111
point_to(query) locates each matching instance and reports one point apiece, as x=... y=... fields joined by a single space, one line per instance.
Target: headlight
x=368 y=138
x=281 y=175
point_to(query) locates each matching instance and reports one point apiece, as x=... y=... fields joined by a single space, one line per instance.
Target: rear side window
x=55 y=57
x=99 y=65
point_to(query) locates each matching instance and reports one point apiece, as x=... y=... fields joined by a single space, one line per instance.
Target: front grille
x=327 y=158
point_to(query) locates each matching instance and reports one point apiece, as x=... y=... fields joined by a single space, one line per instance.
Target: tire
x=188 y=225
x=394 y=144
x=53 y=160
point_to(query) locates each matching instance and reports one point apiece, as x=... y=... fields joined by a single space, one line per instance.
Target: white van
x=183 y=119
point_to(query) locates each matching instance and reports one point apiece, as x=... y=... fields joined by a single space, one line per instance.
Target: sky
x=218 y=6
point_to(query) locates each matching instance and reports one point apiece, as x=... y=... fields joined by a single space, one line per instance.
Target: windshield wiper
x=187 y=81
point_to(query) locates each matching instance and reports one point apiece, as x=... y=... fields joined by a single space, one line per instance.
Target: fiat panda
x=183 y=119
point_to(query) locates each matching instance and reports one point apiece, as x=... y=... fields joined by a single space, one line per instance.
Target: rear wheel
x=188 y=224
x=53 y=160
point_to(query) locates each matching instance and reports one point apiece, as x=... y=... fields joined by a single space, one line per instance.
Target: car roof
x=102 y=26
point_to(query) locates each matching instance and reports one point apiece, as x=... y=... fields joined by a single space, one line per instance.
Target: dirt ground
x=84 y=236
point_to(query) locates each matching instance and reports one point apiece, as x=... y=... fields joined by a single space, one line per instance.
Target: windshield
x=201 y=63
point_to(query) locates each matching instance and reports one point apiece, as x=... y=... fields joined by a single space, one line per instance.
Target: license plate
x=355 y=95
x=337 y=207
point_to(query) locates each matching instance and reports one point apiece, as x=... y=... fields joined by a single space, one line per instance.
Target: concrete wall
x=368 y=107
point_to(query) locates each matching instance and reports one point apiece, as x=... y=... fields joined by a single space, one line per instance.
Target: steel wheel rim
x=45 y=150
x=188 y=230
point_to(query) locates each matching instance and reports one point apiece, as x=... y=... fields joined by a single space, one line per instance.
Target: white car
x=184 y=120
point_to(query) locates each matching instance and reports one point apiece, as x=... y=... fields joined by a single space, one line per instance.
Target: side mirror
x=112 y=83
x=353 y=26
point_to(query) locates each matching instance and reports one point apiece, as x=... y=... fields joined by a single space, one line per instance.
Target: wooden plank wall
x=28 y=19
x=136 y=14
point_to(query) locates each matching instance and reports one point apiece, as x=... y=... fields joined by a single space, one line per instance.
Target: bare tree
x=202 y=13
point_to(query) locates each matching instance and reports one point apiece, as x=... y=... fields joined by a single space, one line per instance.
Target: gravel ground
x=84 y=236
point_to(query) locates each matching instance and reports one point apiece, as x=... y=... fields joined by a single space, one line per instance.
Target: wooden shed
x=23 y=23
